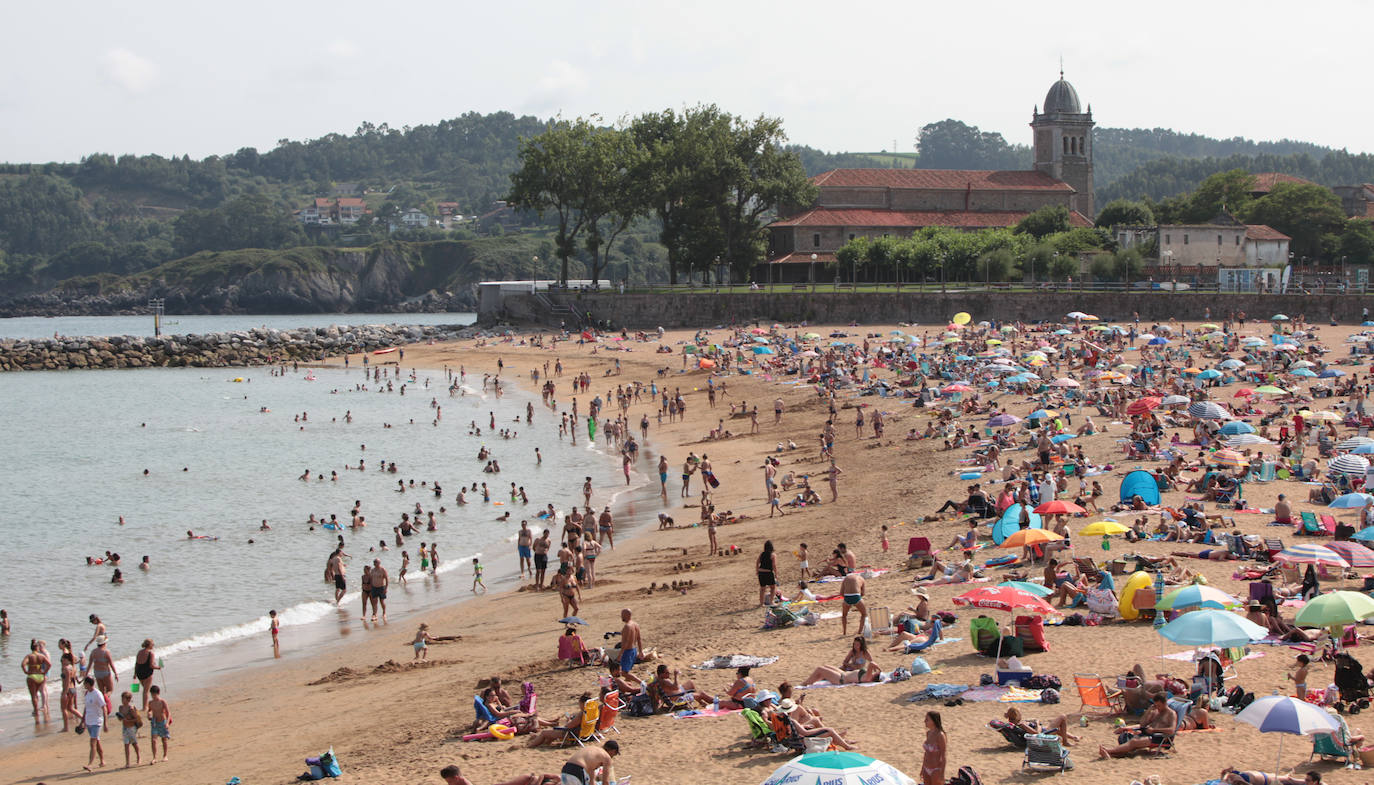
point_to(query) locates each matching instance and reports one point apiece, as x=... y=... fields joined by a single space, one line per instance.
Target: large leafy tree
x=553 y=177
x=1306 y=213
x=1229 y=191
x=1123 y=212
x=950 y=144
x=1044 y=222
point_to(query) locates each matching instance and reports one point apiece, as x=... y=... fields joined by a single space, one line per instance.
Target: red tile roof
x=940 y=179
x=1265 y=181
x=800 y=258
x=349 y=201
x=914 y=219
x=1262 y=232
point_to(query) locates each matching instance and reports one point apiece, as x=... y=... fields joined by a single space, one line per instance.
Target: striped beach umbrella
x=1228 y=458
x=1197 y=595
x=1208 y=410
x=1311 y=553
x=1348 y=464
x=1246 y=440
x=1356 y=555
x=1353 y=442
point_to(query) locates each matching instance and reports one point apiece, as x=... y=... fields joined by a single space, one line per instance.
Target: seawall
x=259 y=346
x=704 y=309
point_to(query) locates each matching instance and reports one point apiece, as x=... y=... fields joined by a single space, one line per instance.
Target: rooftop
x=940 y=179
x=914 y=219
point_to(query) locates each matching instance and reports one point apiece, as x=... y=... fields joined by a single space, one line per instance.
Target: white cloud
x=130 y=71
x=342 y=47
x=563 y=77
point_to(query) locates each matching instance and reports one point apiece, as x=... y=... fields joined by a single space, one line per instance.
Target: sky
x=147 y=76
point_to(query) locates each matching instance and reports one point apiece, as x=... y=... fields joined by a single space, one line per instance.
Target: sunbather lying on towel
x=858 y=666
x=453 y=776
x=1233 y=777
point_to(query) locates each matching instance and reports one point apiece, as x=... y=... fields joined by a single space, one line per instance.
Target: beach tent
x=1140 y=483
x=1010 y=523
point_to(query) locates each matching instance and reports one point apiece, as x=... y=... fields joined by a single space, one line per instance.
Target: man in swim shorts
x=852 y=589
x=523 y=546
x=335 y=570
x=629 y=641
x=583 y=763
x=380 y=580
x=541 y=557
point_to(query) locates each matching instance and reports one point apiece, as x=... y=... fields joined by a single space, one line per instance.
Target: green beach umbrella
x=836 y=768
x=1335 y=608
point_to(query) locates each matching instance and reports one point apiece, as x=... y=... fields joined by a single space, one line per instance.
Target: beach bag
x=639 y=706
x=919 y=665
x=1049 y=696
x=900 y=674
x=325 y=765
x=965 y=776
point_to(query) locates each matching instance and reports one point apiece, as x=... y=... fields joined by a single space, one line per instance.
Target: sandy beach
x=393 y=721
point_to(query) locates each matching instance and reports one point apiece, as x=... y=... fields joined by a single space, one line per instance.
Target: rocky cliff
x=387 y=278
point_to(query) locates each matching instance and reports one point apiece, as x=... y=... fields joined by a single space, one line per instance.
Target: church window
x=816 y=240
x=1237 y=239
x=1168 y=239
x=1066 y=145
x=1218 y=240
x=1185 y=239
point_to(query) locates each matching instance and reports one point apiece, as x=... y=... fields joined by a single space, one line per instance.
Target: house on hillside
x=855 y=203
x=414 y=218
x=318 y=213
x=348 y=210
x=1265 y=182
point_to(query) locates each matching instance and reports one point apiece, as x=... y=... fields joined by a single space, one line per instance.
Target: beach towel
x=732 y=661
x=1019 y=695
x=987 y=694
x=938 y=691
x=704 y=712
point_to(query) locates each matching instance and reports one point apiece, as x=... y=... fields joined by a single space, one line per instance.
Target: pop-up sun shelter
x=1010 y=523
x=1140 y=483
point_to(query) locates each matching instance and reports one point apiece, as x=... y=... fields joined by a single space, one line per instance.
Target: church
x=855 y=203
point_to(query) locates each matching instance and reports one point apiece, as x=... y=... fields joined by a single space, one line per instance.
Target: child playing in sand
x=477 y=576
x=131 y=721
x=884 y=540
x=804 y=564
x=421 y=643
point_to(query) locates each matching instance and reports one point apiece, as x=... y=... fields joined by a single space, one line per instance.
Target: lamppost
x=813 y=272
x=944 y=257
x=534 y=272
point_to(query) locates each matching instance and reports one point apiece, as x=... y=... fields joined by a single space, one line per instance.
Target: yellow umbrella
x=1112 y=376
x=1103 y=529
x=994 y=342
x=1026 y=537
x=1089 y=318
x=962 y=318
x=1209 y=326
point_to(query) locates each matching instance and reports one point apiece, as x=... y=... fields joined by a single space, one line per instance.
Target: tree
x=1036 y=261
x=1063 y=265
x=615 y=164
x=1044 y=222
x=551 y=177
x=1357 y=242
x=950 y=144
x=1125 y=212
x=1304 y=212
x=997 y=264
x=1224 y=191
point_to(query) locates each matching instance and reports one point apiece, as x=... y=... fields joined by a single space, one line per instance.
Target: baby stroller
x=1352 y=684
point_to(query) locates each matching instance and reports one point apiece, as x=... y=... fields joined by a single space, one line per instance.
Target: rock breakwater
x=259 y=346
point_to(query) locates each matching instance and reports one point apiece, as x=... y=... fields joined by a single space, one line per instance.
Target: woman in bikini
x=858 y=666
x=1233 y=777
x=742 y=692
x=69 y=681
x=35 y=666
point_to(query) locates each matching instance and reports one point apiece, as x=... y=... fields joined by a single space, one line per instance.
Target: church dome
x=1062 y=99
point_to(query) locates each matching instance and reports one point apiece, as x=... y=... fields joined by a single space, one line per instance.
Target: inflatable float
x=1137 y=581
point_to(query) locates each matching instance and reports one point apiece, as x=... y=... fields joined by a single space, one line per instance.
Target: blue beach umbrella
x=1010 y=523
x=1029 y=588
x=1210 y=373
x=836 y=768
x=1331 y=373
x=1212 y=628
x=1363 y=449
x=762 y=350
x=1351 y=501
x=1305 y=372
x=1236 y=428
x=1063 y=437
x=1364 y=535
x=1158 y=340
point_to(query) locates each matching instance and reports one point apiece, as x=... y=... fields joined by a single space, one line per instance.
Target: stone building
x=855 y=203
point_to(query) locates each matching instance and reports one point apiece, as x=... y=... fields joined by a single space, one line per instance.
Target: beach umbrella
x=1143 y=405
x=1302 y=364
x=1232 y=364
x=1063 y=437
x=1060 y=507
x=1355 y=554
x=1348 y=464
x=1040 y=414
x=1228 y=458
x=811 y=336
x=1269 y=389
x=1278 y=317
x=1174 y=400
x=1363 y=449
x=760 y=339
x=962 y=318
x=1062 y=331
x=1002 y=598
x=1337 y=608
x=1208 y=410
x=1353 y=442
x=1087 y=317
x=1252 y=341
x=836 y=768
x=1191 y=371
x=1022 y=378
x=1076 y=315
x=1158 y=340
x=1065 y=382
x=1210 y=627
x=1124 y=367
x=1310 y=553
x=1030 y=588
x=1209 y=326
x=1364 y=535
x=1324 y=414
x=1235 y=428
x=955 y=388
x=572 y=620
x=1210 y=373
x=1102 y=529
x=1002 y=420
x=1304 y=373
x=1197 y=595
x=1112 y=376
x=1350 y=501
x=706 y=364
x=1283 y=714
x=1026 y=537
x=1009 y=329
x=1244 y=392
x=763 y=350
x=1246 y=440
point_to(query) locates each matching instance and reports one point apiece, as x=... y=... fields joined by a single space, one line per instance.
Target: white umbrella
x=1208 y=410
x=1174 y=400
x=1246 y=440
x=1282 y=714
x=1348 y=464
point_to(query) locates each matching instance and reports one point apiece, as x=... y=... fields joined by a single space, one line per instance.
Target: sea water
x=174 y=324
x=78 y=443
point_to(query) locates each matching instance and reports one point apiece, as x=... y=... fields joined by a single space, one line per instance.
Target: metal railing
x=1183 y=287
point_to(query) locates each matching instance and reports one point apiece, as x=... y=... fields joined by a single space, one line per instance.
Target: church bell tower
x=1064 y=143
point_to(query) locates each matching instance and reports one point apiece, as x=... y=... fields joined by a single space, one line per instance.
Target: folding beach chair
x=1045 y=752
x=880 y=619
x=1014 y=735
x=918 y=552
x=760 y=732
x=1333 y=746
x=1309 y=524
x=1274 y=546
x=1328 y=522
x=586 y=730
x=1094 y=694
x=610 y=712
